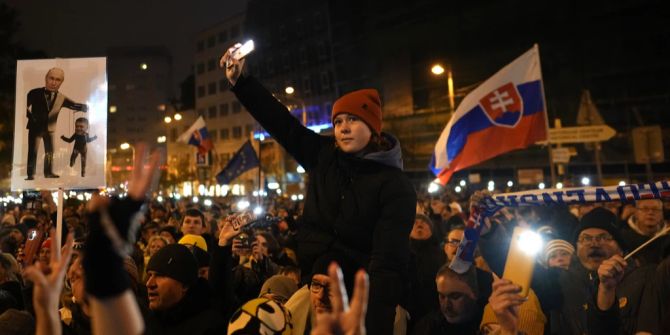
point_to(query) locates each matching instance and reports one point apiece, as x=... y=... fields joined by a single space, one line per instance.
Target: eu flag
x=245 y=159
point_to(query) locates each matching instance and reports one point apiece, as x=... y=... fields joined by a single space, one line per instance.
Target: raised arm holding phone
x=359 y=203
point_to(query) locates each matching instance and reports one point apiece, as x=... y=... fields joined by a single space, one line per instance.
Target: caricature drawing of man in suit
x=43 y=106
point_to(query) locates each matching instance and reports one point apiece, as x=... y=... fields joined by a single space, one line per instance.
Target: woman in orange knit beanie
x=359 y=204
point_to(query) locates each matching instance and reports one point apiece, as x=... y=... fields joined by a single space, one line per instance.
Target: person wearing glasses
x=647 y=220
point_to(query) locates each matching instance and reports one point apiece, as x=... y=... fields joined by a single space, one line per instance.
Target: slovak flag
x=198 y=136
x=504 y=113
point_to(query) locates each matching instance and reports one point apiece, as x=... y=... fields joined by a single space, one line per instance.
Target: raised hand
x=232 y=227
x=232 y=66
x=47 y=288
x=505 y=302
x=345 y=318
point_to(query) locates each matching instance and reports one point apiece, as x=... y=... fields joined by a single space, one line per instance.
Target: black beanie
x=175 y=261
x=600 y=218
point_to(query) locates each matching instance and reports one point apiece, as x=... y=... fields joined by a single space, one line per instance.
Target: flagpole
x=546 y=119
x=260 y=141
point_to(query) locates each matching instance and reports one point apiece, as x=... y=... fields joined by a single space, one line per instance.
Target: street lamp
x=177 y=116
x=438 y=70
x=289 y=91
x=167 y=119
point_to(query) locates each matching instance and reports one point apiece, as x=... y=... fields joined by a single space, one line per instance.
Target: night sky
x=85 y=28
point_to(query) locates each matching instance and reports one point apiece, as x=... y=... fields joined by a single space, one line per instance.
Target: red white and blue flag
x=198 y=136
x=504 y=113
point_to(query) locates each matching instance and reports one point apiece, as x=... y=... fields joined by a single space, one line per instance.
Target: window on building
x=201 y=68
x=213 y=135
x=201 y=91
x=224 y=134
x=236 y=107
x=211 y=41
x=211 y=65
x=322 y=50
x=211 y=88
x=237 y=132
x=223 y=36
x=212 y=112
x=223 y=109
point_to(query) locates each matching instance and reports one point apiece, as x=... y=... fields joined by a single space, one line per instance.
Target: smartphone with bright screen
x=243 y=50
x=524 y=248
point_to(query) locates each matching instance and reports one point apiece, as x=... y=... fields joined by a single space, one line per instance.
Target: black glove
x=112 y=232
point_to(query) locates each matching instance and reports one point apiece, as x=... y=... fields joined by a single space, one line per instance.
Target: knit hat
x=554 y=245
x=260 y=316
x=175 y=261
x=279 y=285
x=600 y=218
x=194 y=240
x=363 y=103
x=198 y=247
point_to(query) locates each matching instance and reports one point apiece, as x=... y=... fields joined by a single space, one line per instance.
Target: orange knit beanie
x=363 y=103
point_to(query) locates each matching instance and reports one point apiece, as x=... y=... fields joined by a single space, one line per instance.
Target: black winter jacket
x=363 y=207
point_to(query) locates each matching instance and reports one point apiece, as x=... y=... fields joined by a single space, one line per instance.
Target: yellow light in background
x=167 y=119
x=437 y=69
x=161 y=139
x=162 y=107
x=289 y=90
x=124 y=146
x=112 y=109
x=177 y=117
x=144 y=66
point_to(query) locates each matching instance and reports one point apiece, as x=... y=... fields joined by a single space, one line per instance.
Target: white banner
x=60 y=132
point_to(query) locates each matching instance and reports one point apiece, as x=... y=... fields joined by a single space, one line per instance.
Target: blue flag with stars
x=245 y=159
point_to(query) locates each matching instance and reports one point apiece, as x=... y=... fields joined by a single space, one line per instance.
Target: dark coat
x=38 y=109
x=427 y=258
x=206 y=307
x=363 y=207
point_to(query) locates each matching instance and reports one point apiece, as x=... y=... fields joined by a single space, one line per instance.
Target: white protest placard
x=60 y=132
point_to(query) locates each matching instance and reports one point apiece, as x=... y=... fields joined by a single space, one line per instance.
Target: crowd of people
x=135 y=265
x=190 y=270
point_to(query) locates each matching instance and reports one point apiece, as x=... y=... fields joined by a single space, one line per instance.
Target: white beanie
x=556 y=245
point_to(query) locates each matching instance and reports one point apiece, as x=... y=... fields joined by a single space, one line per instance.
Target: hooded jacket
x=362 y=207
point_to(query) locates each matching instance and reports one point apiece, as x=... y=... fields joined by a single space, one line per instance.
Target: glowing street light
x=177 y=117
x=289 y=90
x=433 y=187
x=167 y=119
x=438 y=70
x=586 y=181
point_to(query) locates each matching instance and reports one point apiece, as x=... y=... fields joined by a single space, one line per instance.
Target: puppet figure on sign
x=80 y=138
